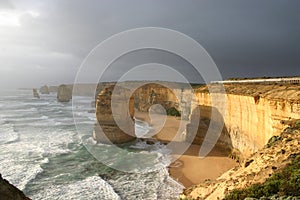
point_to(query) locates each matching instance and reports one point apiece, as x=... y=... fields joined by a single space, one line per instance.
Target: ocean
x=42 y=153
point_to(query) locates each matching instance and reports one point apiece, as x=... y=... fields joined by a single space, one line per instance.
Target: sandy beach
x=189 y=169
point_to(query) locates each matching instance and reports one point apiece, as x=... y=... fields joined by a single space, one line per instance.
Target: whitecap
x=90 y=188
x=44 y=117
x=20 y=174
x=36 y=103
x=8 y=134
x=149 y=186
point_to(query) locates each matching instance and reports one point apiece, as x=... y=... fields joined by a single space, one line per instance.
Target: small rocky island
x=64 y=93
x=35 y=93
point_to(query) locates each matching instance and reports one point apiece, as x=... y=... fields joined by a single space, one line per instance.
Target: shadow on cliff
x=201 y=121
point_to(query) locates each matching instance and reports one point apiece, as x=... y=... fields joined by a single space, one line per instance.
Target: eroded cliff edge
x=254 y=112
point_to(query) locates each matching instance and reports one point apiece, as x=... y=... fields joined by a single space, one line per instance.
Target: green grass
x=173 y=112
x=297 y=124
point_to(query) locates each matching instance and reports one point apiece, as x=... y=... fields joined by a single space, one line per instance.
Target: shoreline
x=189 y=169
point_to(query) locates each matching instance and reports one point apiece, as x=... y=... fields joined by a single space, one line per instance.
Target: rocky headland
x=10 y=192
x=252 y=114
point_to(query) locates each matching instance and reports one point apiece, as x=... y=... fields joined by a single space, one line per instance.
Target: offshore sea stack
x=64 y=93
x=44 y=90
x=53 y=88
x=8 y=191
x=116 y=126
x=35 y=93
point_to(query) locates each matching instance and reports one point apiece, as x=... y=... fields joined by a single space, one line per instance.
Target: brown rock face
x=35 y=93
x=44 y=90
x=10 y=192
x=114 y=127
x=202 y=122
x=64 y=93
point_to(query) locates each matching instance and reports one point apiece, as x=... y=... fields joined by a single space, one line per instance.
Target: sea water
x=42 y=153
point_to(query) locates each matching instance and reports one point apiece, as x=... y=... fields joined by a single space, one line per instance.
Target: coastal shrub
x=196 y=85
x=284 y=183
x=272 y=140
x=297 y=124
x=173 y=112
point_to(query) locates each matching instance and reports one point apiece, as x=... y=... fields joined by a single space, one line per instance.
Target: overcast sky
x=45 y=41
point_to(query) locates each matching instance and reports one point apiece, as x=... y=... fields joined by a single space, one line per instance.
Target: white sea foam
x=44 y=117
x=8 y=134
x=35 y=119
x=150 y=186
x=141 y=128
x=90 y=188
x=21 y=161
x=35 y=103
x=19 y=174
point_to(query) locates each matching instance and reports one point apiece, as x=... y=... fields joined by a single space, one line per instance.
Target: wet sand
x=189 y=169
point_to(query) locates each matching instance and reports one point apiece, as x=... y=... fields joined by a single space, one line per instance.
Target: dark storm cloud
x=51 y=38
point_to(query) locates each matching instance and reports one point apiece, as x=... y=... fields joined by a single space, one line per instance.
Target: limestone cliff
x=254 y=112
x=64 y=93
x=168 y=95
x=114 y=127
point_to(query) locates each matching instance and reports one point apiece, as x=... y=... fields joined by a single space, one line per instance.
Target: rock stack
x=44 y=90
x=64 y=93
x=35 y=93
x=114 y=127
